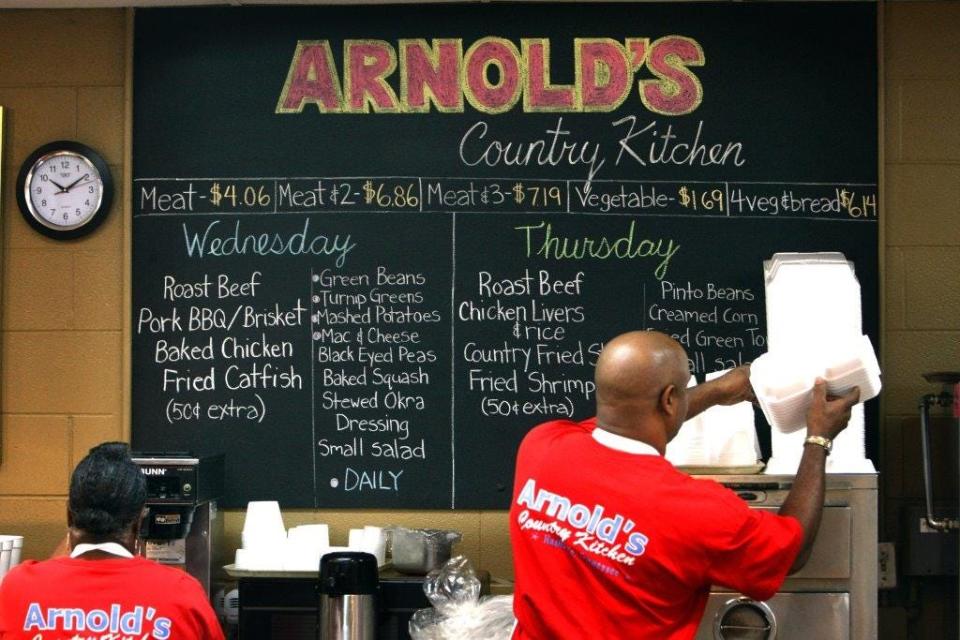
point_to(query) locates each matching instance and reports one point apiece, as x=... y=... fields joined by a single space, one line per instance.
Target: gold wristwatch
x=826 y=443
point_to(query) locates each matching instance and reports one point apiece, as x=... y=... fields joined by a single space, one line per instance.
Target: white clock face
x=64 y=190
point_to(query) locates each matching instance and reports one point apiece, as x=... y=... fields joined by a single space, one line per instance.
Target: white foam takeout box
x=783 y=381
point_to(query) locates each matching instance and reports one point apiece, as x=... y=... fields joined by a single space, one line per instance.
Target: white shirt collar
x=112 y=548
x=621 y=443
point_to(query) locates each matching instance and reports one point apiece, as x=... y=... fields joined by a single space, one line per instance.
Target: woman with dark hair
x=103 y=589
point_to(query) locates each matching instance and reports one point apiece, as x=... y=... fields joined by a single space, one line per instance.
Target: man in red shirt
x=610 y=541
x=102 y=590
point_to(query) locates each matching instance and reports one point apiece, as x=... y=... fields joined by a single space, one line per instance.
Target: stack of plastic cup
x=317 y=535
x=305 y=546
x=357 y=540
x=370 y=539
x=263 y=538
x=375 y=539
x=10 y=549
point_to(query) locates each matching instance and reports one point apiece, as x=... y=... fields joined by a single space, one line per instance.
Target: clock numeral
x=66 y=216
x=43 y=203
x=78 y=211
x=90 y=190
x=39 y=190
x=43 y=177
x=64 y=164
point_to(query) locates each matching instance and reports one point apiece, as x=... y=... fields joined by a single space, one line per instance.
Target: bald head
x=633 y=373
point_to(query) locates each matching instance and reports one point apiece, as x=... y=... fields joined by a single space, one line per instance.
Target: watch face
x=64 y=190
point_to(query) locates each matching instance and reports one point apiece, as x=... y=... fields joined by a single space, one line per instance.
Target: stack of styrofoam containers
x=721 y=436
x=784 y=382
x=730 y=432
x=688 y=447
x=783 y=385
x=813 y=309
x=10 y=549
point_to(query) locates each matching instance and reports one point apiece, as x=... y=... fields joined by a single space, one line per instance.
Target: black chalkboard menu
x=374 y=245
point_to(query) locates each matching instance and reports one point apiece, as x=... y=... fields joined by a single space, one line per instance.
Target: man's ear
x=69 y=517
x=668 y=400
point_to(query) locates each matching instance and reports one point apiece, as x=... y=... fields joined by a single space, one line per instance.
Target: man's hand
x=828 y=415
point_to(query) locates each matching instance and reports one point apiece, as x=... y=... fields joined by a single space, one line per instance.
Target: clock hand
x=59 y=186
x=74 y=183
x=83 y=183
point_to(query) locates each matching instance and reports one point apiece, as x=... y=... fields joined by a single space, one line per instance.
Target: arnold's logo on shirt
x=141 y=623
x=594 y=533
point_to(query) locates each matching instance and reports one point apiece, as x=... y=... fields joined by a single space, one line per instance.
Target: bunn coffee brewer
x=182 y=527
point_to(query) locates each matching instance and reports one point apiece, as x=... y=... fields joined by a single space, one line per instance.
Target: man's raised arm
x=730 y=388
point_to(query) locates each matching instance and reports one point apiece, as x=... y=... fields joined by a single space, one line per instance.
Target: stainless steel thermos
x=348 y=588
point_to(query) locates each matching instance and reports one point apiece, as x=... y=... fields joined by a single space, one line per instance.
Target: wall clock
x=64 y=189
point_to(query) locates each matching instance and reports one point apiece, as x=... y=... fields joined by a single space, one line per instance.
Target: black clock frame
x=105 y=201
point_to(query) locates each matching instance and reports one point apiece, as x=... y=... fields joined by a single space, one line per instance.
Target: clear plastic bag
x=458 y=611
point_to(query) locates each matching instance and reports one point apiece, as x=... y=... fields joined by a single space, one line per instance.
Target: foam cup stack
x=267 y=546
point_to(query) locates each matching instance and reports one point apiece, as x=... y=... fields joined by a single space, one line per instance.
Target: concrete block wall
x=922 y=238
x=921 y=314
x=62 y=76
x=64 y=335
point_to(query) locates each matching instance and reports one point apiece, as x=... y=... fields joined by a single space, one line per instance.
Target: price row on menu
x=484 y=195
